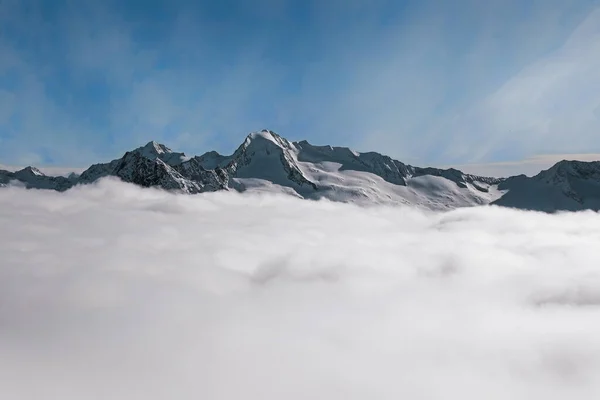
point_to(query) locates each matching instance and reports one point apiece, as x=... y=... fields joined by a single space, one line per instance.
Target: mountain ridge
x=266 y=161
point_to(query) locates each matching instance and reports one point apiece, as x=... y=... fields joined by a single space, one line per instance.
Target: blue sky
x=427 y=82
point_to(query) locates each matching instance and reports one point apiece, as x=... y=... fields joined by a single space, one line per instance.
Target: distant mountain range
x=268 y=162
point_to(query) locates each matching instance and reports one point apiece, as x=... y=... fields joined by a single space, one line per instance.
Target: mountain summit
x=268 y=162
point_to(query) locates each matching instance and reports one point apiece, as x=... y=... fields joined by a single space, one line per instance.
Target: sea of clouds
x=110 y=291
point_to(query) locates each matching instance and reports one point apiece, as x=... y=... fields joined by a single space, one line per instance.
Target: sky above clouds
x=110 y=291
x=427 y=82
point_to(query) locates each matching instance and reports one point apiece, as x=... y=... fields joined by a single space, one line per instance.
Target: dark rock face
x=142 y=168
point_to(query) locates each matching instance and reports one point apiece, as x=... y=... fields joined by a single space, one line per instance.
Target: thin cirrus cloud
x=425 y=82
x=113 y=291
x=551 y=105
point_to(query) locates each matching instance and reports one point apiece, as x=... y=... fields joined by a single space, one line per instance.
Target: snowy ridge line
x=268 y=162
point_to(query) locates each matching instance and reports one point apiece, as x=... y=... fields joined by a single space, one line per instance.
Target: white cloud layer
x=111 y=291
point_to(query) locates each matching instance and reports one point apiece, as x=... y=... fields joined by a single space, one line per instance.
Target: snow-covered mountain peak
x=266 y=139
x=266 y=156
x=29 y=172
x=154 y=150
x=264 y=134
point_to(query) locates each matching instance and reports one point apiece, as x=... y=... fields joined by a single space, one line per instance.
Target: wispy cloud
x=421 y=91
x=426 y=82
x=550 y=106
x=114 y=91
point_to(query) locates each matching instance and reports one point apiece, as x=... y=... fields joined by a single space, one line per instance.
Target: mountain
x=156 y=165
x=268 y=162
x=33 y=178
x=568 y=186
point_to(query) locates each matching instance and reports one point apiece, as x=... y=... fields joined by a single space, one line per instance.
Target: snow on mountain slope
x=567 y=186
x=267 y=162
x=346 y=175
x=431 y=192
x=392 y=171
